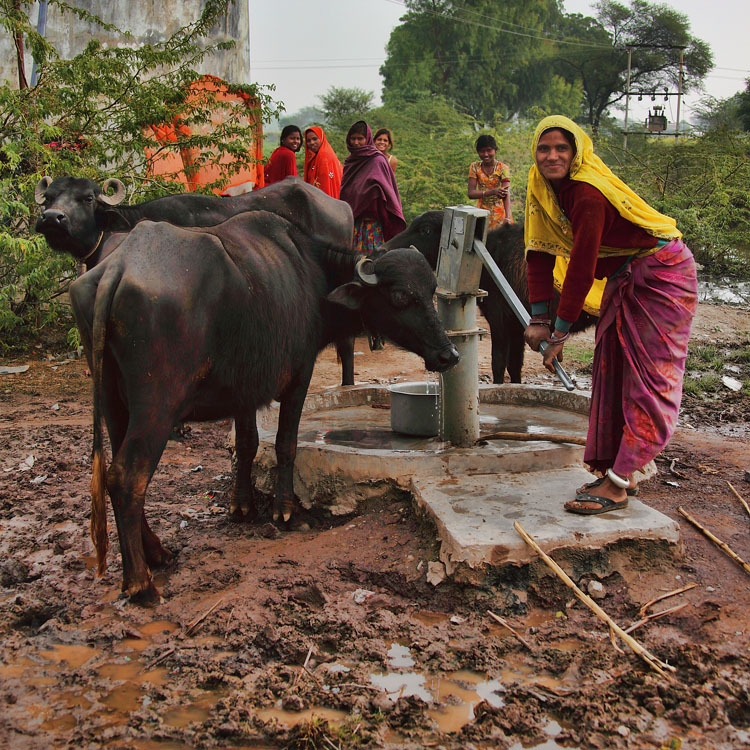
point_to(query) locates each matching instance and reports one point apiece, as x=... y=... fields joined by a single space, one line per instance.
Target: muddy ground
x=331 y=637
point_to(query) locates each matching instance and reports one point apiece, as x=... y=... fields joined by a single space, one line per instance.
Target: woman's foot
x=632 y=491
x=607 y=497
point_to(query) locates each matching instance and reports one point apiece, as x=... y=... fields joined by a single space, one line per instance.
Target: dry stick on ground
x=193 y=626
x=642 y=610
x=188 y=631
x=502 y=622
x=739 y=497
x=722 y=545
x=163 y=656
x=655 y=616
x=551 y=437
x=650 y=659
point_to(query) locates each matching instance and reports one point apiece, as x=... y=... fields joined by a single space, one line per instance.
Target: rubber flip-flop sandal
x=606 y=504
x=630 y=491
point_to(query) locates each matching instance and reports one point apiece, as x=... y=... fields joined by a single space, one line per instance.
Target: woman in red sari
x=322 y=167
x=283 y=161
x=578 y=209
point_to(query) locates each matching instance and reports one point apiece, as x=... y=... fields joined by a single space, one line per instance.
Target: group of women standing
x=366 y=180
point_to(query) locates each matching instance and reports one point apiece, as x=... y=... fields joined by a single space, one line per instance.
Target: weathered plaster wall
x=148 y=21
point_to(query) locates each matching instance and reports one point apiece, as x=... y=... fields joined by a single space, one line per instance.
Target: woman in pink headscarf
x=369 y=187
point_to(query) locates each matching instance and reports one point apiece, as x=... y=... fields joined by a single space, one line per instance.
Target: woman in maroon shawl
x=283 y=161
x=369 y=187
x=322 y=166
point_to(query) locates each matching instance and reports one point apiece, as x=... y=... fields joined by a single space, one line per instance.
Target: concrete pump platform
x=348 y=454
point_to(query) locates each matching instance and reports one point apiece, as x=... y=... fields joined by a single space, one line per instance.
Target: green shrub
x=89 y=117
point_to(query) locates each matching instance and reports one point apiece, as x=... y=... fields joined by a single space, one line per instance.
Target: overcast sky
x=304 y=47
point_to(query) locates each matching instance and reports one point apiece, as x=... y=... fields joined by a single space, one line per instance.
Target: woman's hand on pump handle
x=535 y=334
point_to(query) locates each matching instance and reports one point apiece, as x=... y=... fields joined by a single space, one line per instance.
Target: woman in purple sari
x=369 y=187
x=577 y=209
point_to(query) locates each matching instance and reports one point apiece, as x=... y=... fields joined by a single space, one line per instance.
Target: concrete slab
x=475 y=514
x=347 y=455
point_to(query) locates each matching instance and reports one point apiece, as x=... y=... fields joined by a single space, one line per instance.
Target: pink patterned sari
x=639 y=360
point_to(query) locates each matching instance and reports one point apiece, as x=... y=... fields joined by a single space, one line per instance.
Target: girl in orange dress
x=489 y=182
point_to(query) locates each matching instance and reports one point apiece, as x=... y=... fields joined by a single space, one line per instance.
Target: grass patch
x=702 y=385
x=577 y=354
x=706 y=357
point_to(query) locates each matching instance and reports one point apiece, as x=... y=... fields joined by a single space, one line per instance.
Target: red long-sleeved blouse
x=594 y=222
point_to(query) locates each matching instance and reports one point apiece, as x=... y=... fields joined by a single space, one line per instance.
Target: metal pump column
x=458 y=272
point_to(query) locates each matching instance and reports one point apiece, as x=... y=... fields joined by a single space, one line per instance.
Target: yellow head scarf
x=547 y=228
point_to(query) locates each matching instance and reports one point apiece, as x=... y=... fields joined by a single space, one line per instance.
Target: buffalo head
x=394 y=296
x=76 y=212
x=423 y=234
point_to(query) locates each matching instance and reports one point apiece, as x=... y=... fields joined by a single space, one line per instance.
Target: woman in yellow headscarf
x=578 y=211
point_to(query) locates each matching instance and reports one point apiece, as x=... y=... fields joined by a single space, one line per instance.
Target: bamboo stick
x=739 y=497
x=551 y=437
x=193 y=626
x=503 y=622
x=650 y=659
x=655 y=616
x=722 y=545
x=642 y=610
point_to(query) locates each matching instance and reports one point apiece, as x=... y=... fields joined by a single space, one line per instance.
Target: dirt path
x=319 y=621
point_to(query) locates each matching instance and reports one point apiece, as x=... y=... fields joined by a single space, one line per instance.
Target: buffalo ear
x=112 y=221
x=350 y=295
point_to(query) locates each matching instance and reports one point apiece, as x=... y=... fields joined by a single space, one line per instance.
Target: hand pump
x=462 y=255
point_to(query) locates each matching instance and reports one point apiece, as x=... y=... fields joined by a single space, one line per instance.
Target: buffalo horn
x=41 y=189
x=366 y=271
x=117 y=197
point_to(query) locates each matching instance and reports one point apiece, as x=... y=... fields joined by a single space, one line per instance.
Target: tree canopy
x=343 y=106
x=529 y=58
x=655 y=35
x=483 y=58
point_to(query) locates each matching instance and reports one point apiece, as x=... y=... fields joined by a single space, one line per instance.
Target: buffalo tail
x=102 y=306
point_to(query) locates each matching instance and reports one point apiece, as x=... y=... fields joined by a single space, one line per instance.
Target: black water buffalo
x=506 y=247
x=79 y=218
x=187 y=323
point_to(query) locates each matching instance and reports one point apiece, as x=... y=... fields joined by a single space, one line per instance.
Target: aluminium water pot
x=415 y=408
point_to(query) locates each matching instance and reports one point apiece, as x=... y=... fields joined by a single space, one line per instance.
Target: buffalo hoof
x=283 y=509
x=241 y=507
x=144 y=595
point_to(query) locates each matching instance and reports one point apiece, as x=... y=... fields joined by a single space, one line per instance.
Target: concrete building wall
x=148 y=21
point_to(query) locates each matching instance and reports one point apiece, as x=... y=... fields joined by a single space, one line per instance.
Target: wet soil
x=331 y=637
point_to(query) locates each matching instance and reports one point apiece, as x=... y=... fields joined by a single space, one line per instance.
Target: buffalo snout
x=443 y=359
x=51 y=218
x=449 y=356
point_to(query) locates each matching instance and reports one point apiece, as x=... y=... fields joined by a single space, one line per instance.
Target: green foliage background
x=90 y=117
x=699 y=180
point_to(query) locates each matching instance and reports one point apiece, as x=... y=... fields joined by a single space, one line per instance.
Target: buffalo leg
x=156 y=555
x=499 y=352
x=290 y=412
x=246 y=448
x=116 y=417
x=514 y=362
x=345 y=353
x=127 y=480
